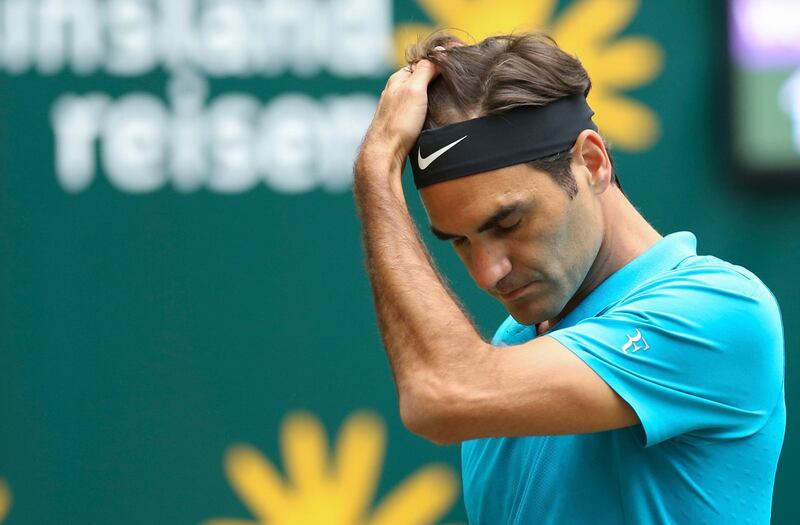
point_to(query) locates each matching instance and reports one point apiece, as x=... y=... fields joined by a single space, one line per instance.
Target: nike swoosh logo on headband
x=427 y=161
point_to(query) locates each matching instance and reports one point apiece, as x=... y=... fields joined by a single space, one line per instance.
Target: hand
x=398 y=119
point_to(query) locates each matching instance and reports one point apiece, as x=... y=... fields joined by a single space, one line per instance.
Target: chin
x=532 y=312
x=529 y=315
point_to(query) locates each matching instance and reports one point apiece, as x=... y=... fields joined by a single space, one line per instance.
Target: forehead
x=458 y=202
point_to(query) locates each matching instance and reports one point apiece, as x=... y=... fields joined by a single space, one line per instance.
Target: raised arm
x=451 y=384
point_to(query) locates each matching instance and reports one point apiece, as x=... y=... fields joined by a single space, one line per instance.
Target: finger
x=401 y=73
x=399 y=76
x=424 y=72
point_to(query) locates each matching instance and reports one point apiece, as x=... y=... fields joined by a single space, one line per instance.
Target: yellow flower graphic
x=587 y=29
x=5 y=499
x=334 y=490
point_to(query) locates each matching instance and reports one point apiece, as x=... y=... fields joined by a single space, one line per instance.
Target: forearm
x=427 y=336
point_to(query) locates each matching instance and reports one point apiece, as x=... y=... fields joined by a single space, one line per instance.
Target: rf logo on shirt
x=635 y=342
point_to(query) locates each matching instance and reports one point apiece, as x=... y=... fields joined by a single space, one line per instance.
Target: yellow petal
x=5 y=499
x=626 y=123
x=228 y=521
x=588 y=22
x=421 y=499
x=404 y=36
x=482 y=18
x=256 y=482
x=359 y=459
x=628 y=63
x=305 y=451
x=445 y=12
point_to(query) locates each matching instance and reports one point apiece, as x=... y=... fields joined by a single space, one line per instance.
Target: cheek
x=549 y=246
x=569 y=246
x=583 y=238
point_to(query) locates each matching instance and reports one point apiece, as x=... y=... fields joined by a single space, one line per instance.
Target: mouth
x=516 y=293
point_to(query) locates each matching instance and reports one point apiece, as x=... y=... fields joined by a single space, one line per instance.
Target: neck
x=626 y=236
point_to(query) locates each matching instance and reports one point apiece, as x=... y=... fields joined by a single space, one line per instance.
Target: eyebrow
x=488 y=224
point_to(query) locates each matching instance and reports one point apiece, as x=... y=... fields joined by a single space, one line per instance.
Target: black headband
x=518 y=135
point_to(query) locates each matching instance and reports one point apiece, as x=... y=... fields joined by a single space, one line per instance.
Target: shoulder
x=702 y=341
x=705 y=270
x=710 y=294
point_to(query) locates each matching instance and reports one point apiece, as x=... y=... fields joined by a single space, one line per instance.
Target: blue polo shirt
x=695 y=345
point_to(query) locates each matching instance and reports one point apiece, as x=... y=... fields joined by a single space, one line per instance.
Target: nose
x=487 y=264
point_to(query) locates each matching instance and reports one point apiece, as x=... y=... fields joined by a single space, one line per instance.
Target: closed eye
x=501 y=229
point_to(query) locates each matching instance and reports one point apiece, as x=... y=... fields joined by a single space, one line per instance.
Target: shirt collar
x=664 y=255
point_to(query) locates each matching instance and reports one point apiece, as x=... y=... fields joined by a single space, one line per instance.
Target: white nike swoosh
x=425 y=162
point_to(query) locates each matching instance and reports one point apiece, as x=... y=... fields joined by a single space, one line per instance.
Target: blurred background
x=186 y=330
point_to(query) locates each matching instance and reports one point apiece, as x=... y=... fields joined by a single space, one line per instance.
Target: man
x=641 y=383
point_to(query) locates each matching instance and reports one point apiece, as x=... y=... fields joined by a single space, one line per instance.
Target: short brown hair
x=497 y=74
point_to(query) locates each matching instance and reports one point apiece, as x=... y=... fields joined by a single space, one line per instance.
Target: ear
x=590 y=152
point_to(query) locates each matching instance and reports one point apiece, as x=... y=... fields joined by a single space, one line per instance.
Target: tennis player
x=635 y=382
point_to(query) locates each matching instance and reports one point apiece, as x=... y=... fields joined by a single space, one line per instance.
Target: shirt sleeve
x=512 y=333
x=699 y=351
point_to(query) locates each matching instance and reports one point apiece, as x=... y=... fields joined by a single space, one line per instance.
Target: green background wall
x=141 y=335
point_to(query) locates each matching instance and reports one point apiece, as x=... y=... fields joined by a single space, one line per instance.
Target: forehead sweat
x=491 y=142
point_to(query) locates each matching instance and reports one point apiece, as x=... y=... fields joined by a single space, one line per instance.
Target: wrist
x=377 y=163
x=378 y=171
x=377 y=183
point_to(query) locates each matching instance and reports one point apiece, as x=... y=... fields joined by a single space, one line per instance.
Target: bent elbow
x=428 y=414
